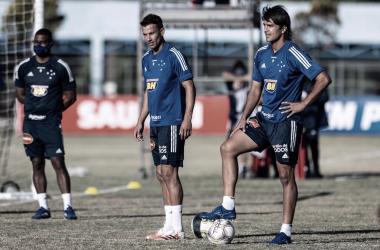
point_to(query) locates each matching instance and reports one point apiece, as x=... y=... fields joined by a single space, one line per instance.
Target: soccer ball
x=221 y=232
x=205 y=227
x=196 y=225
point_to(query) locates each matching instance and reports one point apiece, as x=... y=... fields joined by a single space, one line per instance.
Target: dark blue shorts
x=43 y=139
x=284 y=137
x=167 y=146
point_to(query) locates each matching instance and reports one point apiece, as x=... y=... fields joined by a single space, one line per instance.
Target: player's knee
x=285 y=178
x=58 y=163
x=226 y=148
x=159 y=176
x=38 y=164
x=166 y=175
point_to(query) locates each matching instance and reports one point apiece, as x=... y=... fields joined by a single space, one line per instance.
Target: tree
x=319 y=25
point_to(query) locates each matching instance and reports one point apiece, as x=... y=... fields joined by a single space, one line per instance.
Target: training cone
x=91 y=190
x=134 y=184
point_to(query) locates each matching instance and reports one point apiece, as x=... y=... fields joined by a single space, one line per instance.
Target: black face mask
x=42 y=51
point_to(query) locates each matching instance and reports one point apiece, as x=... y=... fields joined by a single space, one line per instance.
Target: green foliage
x=319 y=24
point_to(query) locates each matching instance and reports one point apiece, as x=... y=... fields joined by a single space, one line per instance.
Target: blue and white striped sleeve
x=68 y=80
x=304 y=63
x=180 y=65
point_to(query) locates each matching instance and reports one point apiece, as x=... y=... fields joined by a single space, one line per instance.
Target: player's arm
x=321 y=82
x=20 y=94
x=139 y=129
x=252 y=100
x=186 y=126
x=69 y=98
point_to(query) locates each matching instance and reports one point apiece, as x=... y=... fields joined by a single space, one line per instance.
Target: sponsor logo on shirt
x=36 y=117
x=155 y=118
x=270 y=85
x=39 y=90
x=269 y=116
x=152 y=144
x=162 y=149
x=280 y=148
x=27 y=138
x=151 y=84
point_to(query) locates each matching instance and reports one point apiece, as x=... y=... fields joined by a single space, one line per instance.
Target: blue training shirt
x=282 y=73
x=164 y=74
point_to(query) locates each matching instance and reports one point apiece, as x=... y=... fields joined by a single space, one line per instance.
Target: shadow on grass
x=313 y=233
x=33 y=211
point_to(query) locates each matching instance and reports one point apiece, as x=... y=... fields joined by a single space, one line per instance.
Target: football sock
x=168 y=218
x=42 y=200
x=287 y=229
x=177 y=218
x=66 y=200
x=228 y=202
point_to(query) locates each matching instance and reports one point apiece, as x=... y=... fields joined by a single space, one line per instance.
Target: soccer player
x=279 y=68
x=46 y=86
x=169 y=99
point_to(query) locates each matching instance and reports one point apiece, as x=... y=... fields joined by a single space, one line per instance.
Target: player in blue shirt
x=169 y=99
x=46 y=87
x=279 y=68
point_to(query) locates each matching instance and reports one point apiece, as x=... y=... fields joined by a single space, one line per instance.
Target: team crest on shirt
x=151 y=84
x=27 y=138
x=39 y=90
x=270 y=85
x=152 y=144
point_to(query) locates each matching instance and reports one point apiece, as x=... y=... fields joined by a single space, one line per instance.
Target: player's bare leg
x=174 y=187
x=63 y=177
x=237 y=144
x=290 y=195
x=168 y=214
x=39 y=177
x=40 y=183
x=63 y=180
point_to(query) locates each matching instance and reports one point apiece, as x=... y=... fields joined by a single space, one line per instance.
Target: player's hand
x=138 y=133
x=292 y=108
x=186 y=129
x=240 y=125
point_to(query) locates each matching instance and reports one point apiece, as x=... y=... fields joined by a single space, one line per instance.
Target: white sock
x=168 y=218
x=287 y=229
x=177 y=218
x=228 y=202
x=66 y=200
x=42 y=200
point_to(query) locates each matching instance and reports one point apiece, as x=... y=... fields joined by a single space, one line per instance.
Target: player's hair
x=280 y=17
x=152 y=19
x=45 y=32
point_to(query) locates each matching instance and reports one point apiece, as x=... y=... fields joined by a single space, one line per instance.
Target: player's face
x=42 y=40
x=153 y=36
x=272 y=31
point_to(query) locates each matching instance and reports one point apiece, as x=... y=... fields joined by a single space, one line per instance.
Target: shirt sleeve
x=19 y=77
x=302 y=61
x=180 y=65
x=2 y=84
x=68 y=80
x=256 y=71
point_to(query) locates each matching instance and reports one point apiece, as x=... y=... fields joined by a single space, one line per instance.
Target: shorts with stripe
x=284 y=137
x=167 y=146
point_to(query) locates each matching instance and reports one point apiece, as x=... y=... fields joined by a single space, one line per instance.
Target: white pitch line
x=351 y=157
x=102 y=191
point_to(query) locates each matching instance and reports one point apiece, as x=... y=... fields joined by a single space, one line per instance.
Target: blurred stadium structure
x=106 y=48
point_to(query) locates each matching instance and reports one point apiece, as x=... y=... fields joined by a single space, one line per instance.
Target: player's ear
x=162 y=31
x=284 y=29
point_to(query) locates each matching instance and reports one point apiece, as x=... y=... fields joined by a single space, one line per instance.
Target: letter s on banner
x=86 y=111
